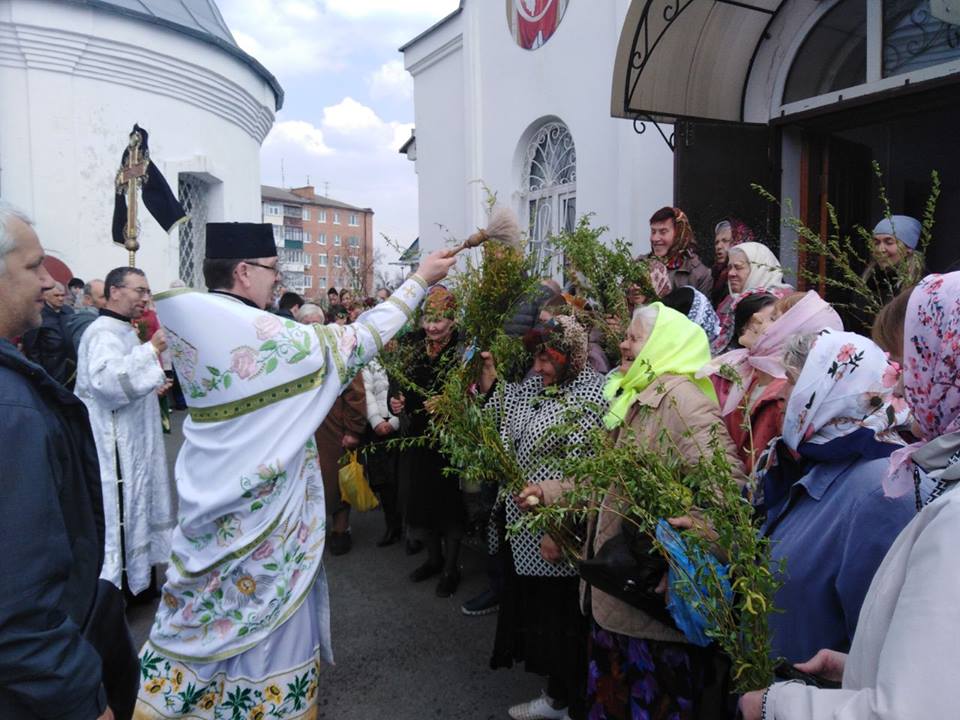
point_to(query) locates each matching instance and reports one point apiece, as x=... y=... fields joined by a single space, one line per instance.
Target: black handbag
x=629 y=568
x=107 y=630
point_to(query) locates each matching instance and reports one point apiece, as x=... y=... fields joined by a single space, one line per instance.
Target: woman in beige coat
x=639 y=666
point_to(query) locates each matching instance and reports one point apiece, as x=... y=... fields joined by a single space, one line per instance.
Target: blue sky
x=349 y=102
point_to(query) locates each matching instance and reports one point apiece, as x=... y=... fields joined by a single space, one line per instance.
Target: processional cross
x=129 y=179
x=138 y=173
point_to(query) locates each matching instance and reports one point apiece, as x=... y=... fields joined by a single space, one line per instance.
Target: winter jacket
x=52 y=539
x=377 y=387
x=50 y=346
x=692 y=273
x=903 y=661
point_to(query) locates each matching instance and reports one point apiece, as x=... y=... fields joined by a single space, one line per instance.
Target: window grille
x=194 y=194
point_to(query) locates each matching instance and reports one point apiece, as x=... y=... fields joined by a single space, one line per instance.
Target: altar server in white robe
x=118 y=378
x=243 y=623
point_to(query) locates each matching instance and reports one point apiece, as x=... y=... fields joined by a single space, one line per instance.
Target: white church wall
x=74 y=81
x=509 y=92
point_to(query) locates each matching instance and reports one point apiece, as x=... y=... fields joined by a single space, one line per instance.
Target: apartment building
x=322 y=242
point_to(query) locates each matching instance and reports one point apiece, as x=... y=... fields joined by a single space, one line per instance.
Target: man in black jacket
x=51 y=519
x=50 y=345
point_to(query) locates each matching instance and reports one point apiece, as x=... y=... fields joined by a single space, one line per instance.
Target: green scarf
x=677 y=346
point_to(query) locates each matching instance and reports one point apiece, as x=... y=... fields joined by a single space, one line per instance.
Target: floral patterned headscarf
x=931 y=380
x=846 y=384
x=564 y=340
x=440 y=304
x=703 y=314
x=683 y=240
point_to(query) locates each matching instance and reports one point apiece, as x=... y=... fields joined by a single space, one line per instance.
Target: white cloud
x=349 y=116
x=356 y=151
x=366 y=8
x=390 y=80
x=301 y=134
x=283 y=35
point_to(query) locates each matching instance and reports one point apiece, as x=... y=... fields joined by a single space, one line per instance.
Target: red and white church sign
x=533 y=22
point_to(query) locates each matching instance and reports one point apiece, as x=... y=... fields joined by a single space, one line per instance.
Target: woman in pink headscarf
x=761 y=390
x=904 y=656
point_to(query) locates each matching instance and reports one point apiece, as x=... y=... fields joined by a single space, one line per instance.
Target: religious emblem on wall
x=533 y=22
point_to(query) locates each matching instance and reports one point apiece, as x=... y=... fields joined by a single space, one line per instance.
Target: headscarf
x=846 y=384
x=765 y=269
x=676 y=346
x=652 y=278
x=697 y=308
x=682 y=241
x=931 y=381
x=440 y=304
x=903 y=227
x=740 y=232
x=811 y=315
x=703 y=314
x=564 y=341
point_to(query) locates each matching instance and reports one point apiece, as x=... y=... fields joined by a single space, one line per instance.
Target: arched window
x=549 y=188
x=863 y=43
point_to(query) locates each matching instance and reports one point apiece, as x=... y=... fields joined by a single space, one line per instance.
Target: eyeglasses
x=275 y=269
x=141 y=291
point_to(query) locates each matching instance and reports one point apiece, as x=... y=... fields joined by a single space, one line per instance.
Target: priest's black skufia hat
x=239 y=241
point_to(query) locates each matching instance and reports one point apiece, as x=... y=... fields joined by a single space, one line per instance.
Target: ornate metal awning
x=687 y=59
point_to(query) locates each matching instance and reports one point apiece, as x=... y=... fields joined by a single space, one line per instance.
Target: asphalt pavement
x=400 y=652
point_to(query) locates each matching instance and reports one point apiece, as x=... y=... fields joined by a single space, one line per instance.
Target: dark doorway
x=714 y=167
x=908 y=135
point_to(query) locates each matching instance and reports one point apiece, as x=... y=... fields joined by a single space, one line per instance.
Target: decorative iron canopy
x=687 y=59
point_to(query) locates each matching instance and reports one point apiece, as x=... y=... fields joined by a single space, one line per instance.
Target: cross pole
x=129 y=179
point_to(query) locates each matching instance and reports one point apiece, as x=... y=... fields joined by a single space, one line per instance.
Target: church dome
x=199 y=19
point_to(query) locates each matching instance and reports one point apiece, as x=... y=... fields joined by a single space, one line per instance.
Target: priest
x=243 y=622
x=118 y=378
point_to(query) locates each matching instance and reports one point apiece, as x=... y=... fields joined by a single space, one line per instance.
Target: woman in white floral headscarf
x=903 y=660
x=827 y=517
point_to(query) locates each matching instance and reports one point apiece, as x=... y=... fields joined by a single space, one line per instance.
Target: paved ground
x=401 y=653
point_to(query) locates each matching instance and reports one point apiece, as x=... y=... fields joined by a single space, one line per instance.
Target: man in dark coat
x=50 y=345
x=51 y=519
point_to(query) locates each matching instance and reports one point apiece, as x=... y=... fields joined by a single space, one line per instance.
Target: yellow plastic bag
x=354 y=488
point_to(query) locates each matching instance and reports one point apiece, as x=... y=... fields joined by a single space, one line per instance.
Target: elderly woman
x=896 y=261
x=656 y=400
x=827 y=518
x=434 y=503
x=727 y=234
x=761 y=389
x=903 y=660
x=540 y=621
x=752 y=267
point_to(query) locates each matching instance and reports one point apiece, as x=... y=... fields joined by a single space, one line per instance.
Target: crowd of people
x=846 y=445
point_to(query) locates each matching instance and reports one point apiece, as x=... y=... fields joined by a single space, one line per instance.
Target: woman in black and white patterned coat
x=540 y=621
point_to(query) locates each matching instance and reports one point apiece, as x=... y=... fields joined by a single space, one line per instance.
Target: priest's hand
x=383 y=429
x=165 y=388
x=159 y=341
x=350 y=441
x=436 y=265
x=107 y=714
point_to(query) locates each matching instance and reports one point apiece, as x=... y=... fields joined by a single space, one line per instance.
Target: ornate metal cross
x=130 y=177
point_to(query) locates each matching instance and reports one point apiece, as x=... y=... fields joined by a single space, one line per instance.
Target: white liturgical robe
x=117 y=379
x=245 y=612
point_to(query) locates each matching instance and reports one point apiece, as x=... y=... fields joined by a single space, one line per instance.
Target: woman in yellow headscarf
x=655 y=400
